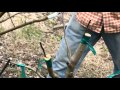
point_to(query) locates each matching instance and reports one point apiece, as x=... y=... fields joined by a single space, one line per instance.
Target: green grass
x=29 y=32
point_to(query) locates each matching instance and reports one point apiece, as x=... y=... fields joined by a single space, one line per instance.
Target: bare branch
x=9 y=17
x=60 y=26
x=68 y=49
x=49 y=68
x=43 y=49
x=2 y=13
x=75 y=58
x=22 y=25
x=4 y=67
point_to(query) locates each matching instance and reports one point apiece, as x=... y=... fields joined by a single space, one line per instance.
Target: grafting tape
x=49 y=63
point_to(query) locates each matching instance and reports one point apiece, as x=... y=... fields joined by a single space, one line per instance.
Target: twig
x=60 y=26
x=5 y=67
x=9 y=17
x=43 y=49
x=49 y=68
x=22 y=25
x=2 y=13
x=68 y=49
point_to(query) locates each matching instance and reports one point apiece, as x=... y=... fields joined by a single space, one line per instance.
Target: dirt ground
x=23 y=44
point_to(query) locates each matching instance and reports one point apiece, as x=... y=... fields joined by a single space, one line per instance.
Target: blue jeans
x=74 y=33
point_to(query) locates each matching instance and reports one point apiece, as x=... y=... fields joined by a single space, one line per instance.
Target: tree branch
x=49 y=68
x=2 y=13
x=5 y=67
x=22 y=25
x=43 y=49
x=75 y=58
x=9 y=17
x=77 y=55
x=60 y=26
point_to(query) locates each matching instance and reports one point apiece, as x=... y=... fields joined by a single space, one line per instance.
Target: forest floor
x=23 y=44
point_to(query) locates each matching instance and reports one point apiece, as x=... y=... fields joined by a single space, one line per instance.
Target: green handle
x=85 y=40
x=114 y=74
x=23 y=75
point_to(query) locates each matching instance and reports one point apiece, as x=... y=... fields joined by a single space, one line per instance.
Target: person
x=103 y=24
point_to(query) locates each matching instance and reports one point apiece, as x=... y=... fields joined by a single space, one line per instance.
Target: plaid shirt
x=110 y=20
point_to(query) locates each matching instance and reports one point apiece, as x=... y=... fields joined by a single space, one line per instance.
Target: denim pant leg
x=113 y=43
x=74 y=33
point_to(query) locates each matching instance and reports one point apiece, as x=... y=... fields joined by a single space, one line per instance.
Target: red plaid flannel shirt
x=110 y=20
